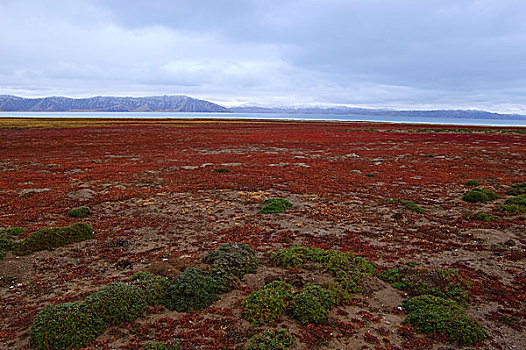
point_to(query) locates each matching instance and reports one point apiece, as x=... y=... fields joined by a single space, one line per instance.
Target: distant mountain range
x=108 y=104
x=181 y=103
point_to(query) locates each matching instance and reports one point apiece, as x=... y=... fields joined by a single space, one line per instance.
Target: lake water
x=273 y=116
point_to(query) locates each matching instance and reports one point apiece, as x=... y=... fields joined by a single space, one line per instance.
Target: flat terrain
x=158 y=203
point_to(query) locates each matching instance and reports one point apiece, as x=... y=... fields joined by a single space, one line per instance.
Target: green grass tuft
x=410 y=205
x=430 y=314
x=279 y=339
x=80 y=212
x=53 y=237
x=480 y=195
x=275 y=205
x=267 y=304
x=517 y=189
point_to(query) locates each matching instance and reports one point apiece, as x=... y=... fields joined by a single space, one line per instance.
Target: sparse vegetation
x=80 y=212
x=6 y=239
x=346 y=267
x=275 y=205
x=48 y=238
x=157 y=345
x=410 y=205
x=444 y=283
x=430 y=314
x=517 y=189
x=267 y=304
x=514 y=205
x=235 y=259
x=480 y=195
x=279 y=339
x=311 y=305
x=485 y=217
x=472 y=183
x=222 y=170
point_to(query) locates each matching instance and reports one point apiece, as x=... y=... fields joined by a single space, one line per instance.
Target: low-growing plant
x=517 y=189
x=485 y=217
x=192 y=290
x=267 y=304
x=410 y=205
x=157 y=345
x=222 y=170
x=6 y=239
x=311 y=305
x=430 y=314
x=272 y=339
x=480 y=195
x=472 y=183
x=275 y=205
x=65 y=326
x=444 y=283
x=514 y=205
x=236 y=259
x=347 y=268
x=80 y=212
x=48 y=238
x=117 y=303
x=153 y=287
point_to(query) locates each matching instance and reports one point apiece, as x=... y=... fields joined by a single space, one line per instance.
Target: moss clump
x=65 y=326
x=479 y=195
x=267 y=304
x=222 y=170
x=232 y=259
x=444 y=283
x=275 y=205
x=279 y=339
x=157 y=345
x=472 y=183
x=80 y=212
x=54 y=237
x=517 y=189
x=192 y=290
x=347 y=268
x=430 y=314
x=311 y=305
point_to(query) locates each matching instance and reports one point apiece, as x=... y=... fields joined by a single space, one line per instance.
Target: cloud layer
x=378 y=53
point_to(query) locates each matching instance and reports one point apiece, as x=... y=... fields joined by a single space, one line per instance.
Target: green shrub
x=279 y=339
x=275 y=205
x=116 y=303
x=311 y=305
x=153 y=287
x=267 y=304
x=53 y=237
x=65 y=326
x=517 y=189
x=444 y=283
x=80 y=212
x=430 y=314
x=236 y=259
x=222 y=170
x=480 y=195
x=157 y=345
x=192 y=290
x=472 y=183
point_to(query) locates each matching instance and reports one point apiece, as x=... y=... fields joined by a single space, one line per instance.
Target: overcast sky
x=375 y=53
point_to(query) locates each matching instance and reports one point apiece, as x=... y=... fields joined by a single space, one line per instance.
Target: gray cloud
x=405 y=53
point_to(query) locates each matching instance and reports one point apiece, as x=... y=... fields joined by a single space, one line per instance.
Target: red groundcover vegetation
x=162 y=193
